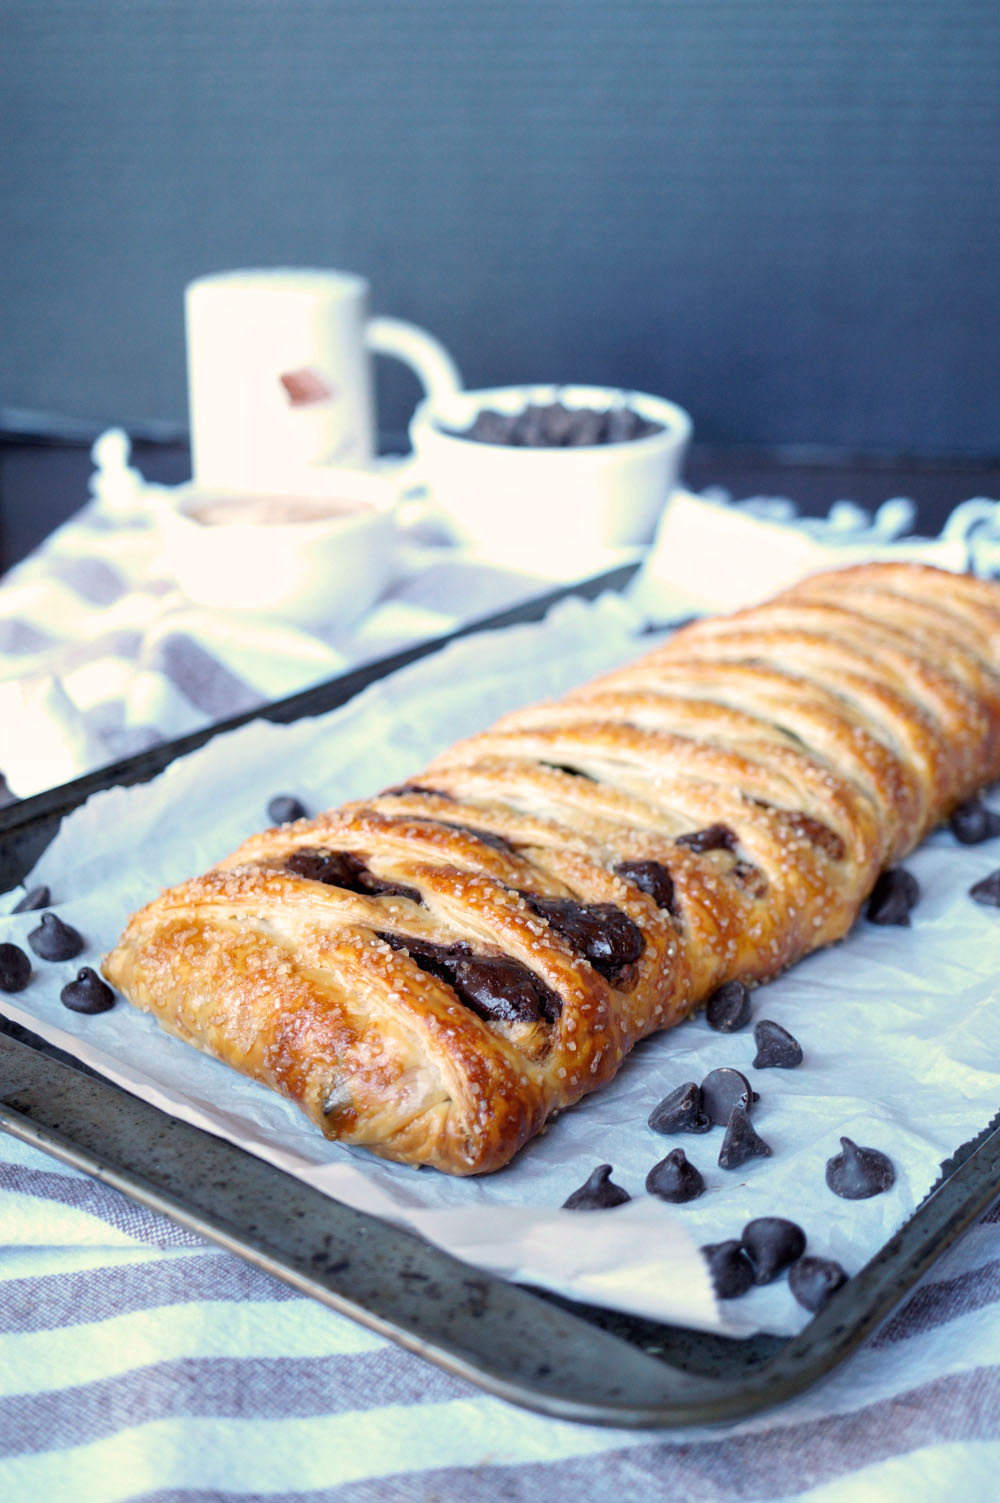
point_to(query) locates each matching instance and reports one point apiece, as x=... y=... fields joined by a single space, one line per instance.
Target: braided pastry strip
x=434 y=971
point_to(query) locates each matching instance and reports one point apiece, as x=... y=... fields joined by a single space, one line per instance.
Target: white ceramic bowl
x=513 y=502
x=318 y=551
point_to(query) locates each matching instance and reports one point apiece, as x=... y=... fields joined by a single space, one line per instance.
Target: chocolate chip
x=88 y=993
x=856 y=1173
x=602 y=933
x=589 y=428
x=727 y=1263
x=15 y=969
x=344 y=869
x=987 y=890
x=551 y=425
x=680 y=1111
x=496 y=987
x=598 y=1193
x=776 y=1048
x=723 y=1089
x=712 y=838
x=54 y=940
x=674 y=1179
x=741 y=1141
x=652 y=878
x=813 y=1281
x=896 y=891
x=972 y=823
x=728 y=1008
x=772 y=1244
x=35 y=898
x=284 y=808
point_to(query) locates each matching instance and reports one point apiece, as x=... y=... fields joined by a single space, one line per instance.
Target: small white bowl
x=318 y=550
x=515 y=502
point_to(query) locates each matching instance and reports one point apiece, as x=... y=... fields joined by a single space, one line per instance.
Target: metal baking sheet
x=535 y=1349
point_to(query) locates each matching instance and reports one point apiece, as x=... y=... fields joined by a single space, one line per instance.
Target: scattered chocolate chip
x=772 y=1244
x=896 y=891
x=680 y=1111
x=972 y=823
x=987 y=890
x=88 y=993
x=730 y=1270
x=35 y=898
x=54 y=940
x=652 y=878
x=598 y=1193
x=15 y=969
x=712 y=838
x=284 y=808
x=602 y=933
x=741 y=1141
x=728 y=1008
x=856 y=1173
x=674 y=1179
x=723 y=1089
x=776 y=1048
x=813 y=1281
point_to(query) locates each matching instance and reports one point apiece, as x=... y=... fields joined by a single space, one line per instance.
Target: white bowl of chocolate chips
x=523 y=473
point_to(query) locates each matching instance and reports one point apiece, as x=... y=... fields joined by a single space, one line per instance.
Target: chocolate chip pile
x=553 y=425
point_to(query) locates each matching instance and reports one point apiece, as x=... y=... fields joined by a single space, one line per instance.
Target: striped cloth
x=137 y=1363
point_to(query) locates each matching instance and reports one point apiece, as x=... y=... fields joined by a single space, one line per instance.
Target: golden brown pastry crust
x=443 y=966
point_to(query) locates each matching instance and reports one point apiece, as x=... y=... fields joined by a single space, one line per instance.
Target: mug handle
x=426 y=357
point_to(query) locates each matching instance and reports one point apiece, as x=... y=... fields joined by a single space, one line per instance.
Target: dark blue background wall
x=782 y=213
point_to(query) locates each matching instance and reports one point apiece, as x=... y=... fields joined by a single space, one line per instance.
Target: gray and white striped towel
x=137 y=1363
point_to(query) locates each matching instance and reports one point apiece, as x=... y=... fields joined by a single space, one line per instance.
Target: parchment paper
x=900 y=1027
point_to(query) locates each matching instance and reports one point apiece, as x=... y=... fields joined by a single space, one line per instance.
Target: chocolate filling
x=342 y=869
x=750 y=878
x=819 y=834
x=807 y=828
x=486 y=836
x=496 y=987
x=571 y=772
x=712 y=838
x=402 y=789
x=650 y=877
x=602 y=933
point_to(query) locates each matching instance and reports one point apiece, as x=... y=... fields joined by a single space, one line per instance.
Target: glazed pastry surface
x=434 y=971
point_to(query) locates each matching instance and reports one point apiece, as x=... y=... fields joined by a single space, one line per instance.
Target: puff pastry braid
x=434 y=971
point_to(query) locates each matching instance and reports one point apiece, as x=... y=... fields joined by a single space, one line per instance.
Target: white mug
x=280 y=373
